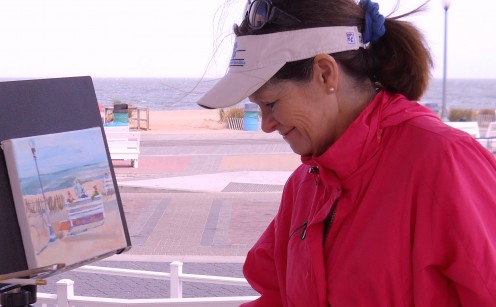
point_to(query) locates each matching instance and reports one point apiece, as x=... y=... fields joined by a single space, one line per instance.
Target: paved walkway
x=203 y=199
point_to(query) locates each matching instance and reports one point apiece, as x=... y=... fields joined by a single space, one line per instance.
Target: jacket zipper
x=328 y=222
x=303 y=229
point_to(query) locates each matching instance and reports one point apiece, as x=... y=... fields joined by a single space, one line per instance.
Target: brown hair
x=400 y=60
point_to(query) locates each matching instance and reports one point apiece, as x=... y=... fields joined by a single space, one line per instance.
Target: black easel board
x=35 y=107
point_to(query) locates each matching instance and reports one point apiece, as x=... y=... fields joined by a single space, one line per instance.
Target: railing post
x=176 y=284
x=65 y=290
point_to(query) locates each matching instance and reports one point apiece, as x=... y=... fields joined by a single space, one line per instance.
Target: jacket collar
x=362 y=139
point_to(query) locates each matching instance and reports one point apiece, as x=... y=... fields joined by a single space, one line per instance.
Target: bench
x=115 y=128
x=124 y=145
x=471 y=128
x=491 y=130
x=491 y=137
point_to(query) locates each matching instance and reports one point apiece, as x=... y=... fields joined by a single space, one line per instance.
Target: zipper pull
x=303 y=234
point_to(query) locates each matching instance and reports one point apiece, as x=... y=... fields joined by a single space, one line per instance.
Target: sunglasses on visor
x=261 y=12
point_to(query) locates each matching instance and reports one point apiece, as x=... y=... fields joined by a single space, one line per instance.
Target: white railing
x=65 y=289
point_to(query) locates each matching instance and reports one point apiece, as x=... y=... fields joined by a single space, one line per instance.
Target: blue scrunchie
x=374 y=22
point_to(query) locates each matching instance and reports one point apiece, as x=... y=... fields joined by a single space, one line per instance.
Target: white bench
x=120 y=128
x=491 y=130
x=471 y=128
x=491 y=137
x=124 y=145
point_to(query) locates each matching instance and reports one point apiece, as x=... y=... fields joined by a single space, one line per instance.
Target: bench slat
x=471 y=128
x=124 y=145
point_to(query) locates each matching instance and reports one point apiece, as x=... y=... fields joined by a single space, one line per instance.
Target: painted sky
x=162 y=38
x=60 y=151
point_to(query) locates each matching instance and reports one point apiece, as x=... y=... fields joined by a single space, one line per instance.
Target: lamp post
x=45 y=212
x=446 y=5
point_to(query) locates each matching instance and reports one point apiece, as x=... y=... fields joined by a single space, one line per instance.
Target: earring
x=331 y=90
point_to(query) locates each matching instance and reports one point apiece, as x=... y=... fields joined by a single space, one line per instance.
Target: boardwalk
x=200 y=199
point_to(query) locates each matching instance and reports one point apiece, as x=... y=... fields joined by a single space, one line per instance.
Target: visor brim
x=236 y=86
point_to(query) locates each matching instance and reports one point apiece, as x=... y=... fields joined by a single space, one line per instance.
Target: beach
x=184 y=121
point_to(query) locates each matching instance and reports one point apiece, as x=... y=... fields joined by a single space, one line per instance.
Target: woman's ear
x=326 y=71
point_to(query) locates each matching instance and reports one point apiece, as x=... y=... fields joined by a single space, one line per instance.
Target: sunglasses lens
x=258 y=14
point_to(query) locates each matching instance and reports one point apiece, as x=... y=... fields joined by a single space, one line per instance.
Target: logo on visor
x=350 y=36
x=235 y=61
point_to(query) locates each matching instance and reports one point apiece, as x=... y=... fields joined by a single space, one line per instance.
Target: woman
x=390 y=206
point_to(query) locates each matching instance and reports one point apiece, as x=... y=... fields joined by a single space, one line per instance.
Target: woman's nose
x=269 y=123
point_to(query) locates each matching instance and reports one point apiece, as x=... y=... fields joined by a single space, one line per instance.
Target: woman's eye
x=270 y=105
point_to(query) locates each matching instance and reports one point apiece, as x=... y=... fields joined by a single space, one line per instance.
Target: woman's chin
x=300 y=150
x=298 y=144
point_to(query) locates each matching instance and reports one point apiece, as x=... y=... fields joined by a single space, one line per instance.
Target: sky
x=193 y=38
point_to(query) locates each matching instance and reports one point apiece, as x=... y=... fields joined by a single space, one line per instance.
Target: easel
x=19 y=289
x=19 y=297
x=35 y=107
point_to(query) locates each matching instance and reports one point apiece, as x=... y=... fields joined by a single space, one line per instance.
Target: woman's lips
x=285 y=134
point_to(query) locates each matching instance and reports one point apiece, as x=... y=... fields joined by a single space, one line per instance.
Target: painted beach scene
x=65 y=197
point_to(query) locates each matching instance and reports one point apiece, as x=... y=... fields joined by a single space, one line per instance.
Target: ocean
x=181 y=94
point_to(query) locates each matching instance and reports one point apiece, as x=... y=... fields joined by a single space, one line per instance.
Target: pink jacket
x=410 y=205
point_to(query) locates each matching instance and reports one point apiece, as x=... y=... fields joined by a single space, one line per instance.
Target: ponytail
x=399 y=60
x=403 y=60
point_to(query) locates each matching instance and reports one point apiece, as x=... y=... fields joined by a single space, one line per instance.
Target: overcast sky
x=166 y=38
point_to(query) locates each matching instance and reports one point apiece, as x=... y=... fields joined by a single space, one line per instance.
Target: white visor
x=256 y=58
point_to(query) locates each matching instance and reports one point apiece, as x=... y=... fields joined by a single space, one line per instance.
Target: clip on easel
x=19 y=288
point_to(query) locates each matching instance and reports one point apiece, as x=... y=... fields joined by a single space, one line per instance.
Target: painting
x=65 y=197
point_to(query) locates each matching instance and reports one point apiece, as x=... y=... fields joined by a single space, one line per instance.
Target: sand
x=185 y=121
